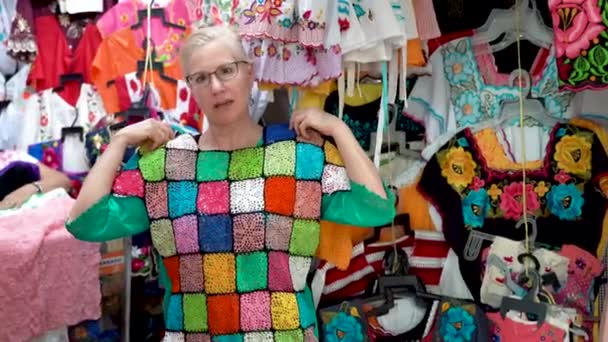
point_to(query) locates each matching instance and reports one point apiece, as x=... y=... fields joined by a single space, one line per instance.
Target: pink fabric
x=426 y=20
x=508 y=330
x=582 y=270
x=48 y=278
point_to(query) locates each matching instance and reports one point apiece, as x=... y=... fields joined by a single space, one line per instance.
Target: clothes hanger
x=70 y=77
x=476 y=238
x=154 y=64
x=157 y=13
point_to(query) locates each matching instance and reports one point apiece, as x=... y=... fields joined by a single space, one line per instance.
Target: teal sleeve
x=359 y=207
x=112 y=217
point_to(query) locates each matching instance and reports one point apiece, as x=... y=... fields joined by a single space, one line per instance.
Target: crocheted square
x=278 y=232
x=215 y=233
x=174 y=336
x=246 y=164
x=252 y=272
x=213 y=198
x=185 y=230
x=279 y=278
x=191 y=273
x=212 y=166
x=298 y=269
x=224 y=314
x=265 y=336
x=335 y=179
x=308 y=200
x=276 y=133
x=255 y=311
x=162 y=237
x=175 y=321
x=172 y=267
x=181 y=165
x=332 y=155
x=284 y=309
x=219 y=274
x=156 y=200
x=183 y=142
x=306 y=308
x=291 y=335
x=152 y=165
x=228 y=338
x=309 y=162
x=305 y=237
x=280 y=159
x=248 y=232
x=129 y=183
x=247 y=196
x=195 y=312
x=280 y=195
x=182 y=198
x=197 y=338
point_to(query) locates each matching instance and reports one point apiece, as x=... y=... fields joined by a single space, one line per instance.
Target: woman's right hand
x=148 y=134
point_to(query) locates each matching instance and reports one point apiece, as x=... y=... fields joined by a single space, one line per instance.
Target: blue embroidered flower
x=554 y=106
x=565 y=201
x=343 y=328
x=462 y=142
x=457 y=325
x=467 y=108
x=475 y=207
x=560 y=133
x=458 y=68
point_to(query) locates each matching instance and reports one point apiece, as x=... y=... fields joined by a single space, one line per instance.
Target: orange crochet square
x=172 y=266
x=284 y=309
x=280 y=195
x=223 y=313
x=219 y=273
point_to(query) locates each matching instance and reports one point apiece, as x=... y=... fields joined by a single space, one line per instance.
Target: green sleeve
x=358 y=207
x=113 y=217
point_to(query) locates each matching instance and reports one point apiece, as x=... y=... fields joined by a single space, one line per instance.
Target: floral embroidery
x=477 y=183
x=565 y=201
x=457 y=325
x=494 y=192
x=580 y=22
x=266 y=9
x=541 y=189
x=343 y=327
x=475 y=208
x=561 y=177
x=458 y=167
x=573 y=155
x=458 y=68
x=511 y=202
x=468 y=107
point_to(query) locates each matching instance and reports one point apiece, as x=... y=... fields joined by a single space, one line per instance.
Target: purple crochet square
x=279 y=277
x=156 y=200
x=185 y=230
x=248 y=232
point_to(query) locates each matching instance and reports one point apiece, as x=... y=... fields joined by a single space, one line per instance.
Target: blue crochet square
x=306 y=308
x=175 y=313
x=275 y=133
x=182 y=198
x=228 y=338
x=215 y=233
x=309 y=161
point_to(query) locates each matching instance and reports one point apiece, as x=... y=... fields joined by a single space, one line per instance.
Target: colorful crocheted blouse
x=566 y=193
x=236 y=230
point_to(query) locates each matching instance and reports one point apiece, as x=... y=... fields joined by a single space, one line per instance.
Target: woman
x=235 y=213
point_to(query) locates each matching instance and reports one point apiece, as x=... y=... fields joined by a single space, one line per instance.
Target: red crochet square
x=156 y=200
x=213 y=198
x=172 y=266
x=279 y=195
x=223 y=311
x=255 y=311
x=279 y=277
x=308 y=200
x=129 y=183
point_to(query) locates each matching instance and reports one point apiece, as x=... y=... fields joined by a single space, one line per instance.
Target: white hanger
x=502 y=22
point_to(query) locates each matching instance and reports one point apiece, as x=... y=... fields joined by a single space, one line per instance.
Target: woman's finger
x=303 y=127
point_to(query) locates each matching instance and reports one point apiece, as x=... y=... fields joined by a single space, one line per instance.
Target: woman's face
x=220 y=83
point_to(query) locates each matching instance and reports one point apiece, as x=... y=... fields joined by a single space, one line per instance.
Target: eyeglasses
x=224 y=73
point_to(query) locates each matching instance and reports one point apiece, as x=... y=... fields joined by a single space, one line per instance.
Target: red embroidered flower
x=286 y=54
x=91 y=117
x=257 y=51
x=511 y=200
x=44 y=120
x=134 y=86
x=310 y=56
x=49 y=158
x=344 y=24
x=188 y=119
x=562 y=177
x=277 y=3
x=272 y=51
x=198 y=13
x=183 y=94
x=477 y=183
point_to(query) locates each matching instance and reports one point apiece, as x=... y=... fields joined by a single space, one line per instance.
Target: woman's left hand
x=16 y=198
x=305 y=120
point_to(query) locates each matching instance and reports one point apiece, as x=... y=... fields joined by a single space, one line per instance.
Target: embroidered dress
x=565 y=193
x=236 y=230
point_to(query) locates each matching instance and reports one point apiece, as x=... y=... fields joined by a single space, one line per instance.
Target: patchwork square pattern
x=182 y=198
x=248 y=232
x=280 y=195
x=284 y=310
x=332 y=155
x=212 y=166
x=215 y=233
x=183 y=142
x=279 y=278
x=246 y=164
x=334 y=179
x=292 y=335
x=309 y=162
x=259 y=337
x=255 y=311
x=213 y=198
x=219 y=273
x=278 y=232
x=308 y=315
x=186 y=234
x=252 y=272
x=174 y=336
x=228 y=338
x=172 y=267
x=247 y=196
x=191 y=273
x=175 y=321
x=156 y=200
x=152 y=165
x=276 y=133
x=129 y=183
x=197 y=338
x=304 y=237
x=308 y=200
x=195 y=312
x=163 y=238
x=298 y=268
x=181 y=165
x=223 y=311
x=280 y=159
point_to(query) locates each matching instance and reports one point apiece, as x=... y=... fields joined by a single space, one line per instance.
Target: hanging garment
x=456 y=320
x=426 y=20
x=488 y=197
x=8 y=9
x=11 y=117
x=509 y=329
x=216 y=12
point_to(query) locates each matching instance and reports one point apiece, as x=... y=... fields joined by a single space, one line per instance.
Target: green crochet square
x=280 y=159
x=152 y=165
x=195 y=312
x=289 y=336
x=212 y=166
x=246 y=164
x=304 y=237
x=246 y=280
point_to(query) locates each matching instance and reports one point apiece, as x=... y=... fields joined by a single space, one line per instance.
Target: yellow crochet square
x=332 y=155
x=219 y=273
x=284 y=309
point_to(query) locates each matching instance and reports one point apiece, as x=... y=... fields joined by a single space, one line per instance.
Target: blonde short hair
x=201 y=36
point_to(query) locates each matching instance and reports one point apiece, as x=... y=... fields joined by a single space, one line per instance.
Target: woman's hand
x=302 y=121
x=148 y=134
x=16 y=198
